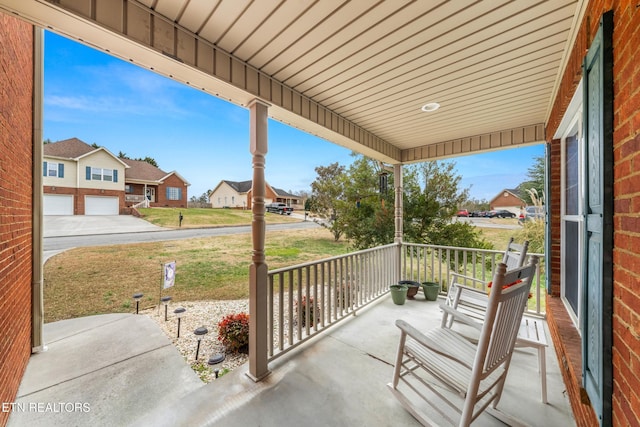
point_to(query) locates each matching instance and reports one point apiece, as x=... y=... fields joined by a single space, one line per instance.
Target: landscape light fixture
x=200 y=332
x=214 y=360
x=165 y=301
x=179 y=312
x=137 y=297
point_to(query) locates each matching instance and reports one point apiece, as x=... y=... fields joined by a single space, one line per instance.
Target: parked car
x=463 y=212
x=533 y=212
x=502 y=213
x=279 y=208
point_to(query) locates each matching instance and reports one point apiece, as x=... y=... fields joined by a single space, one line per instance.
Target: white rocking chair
x=469 y=295
x=476 y=372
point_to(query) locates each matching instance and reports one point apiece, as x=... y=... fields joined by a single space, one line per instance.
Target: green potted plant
x=431 y=290
x=398 y=293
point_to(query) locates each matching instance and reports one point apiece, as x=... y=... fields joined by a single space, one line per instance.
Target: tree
x=122 y=155
x=46 y=141
x=432 y=195
x=327 y=192
x=149 y=160
x=535 y=173
x=95 y=145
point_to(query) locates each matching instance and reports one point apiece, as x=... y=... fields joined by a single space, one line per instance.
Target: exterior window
x=96 y=174
x=101 y=174
x=128 y=189
x=174 y=193
x=53 y=170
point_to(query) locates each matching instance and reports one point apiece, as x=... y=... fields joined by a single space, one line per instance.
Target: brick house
x=161 y=189
x=599 y=317
x=507 y=199
x=80 y=179
x=237 y=194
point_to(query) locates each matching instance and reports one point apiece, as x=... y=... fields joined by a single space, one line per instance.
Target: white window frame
x=571 y=125
x=173 y=193
x=52 y=167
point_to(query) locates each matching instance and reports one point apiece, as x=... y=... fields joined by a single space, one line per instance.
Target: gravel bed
x=198 y=314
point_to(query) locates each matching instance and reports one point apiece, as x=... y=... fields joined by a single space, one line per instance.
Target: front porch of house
x=340 y=379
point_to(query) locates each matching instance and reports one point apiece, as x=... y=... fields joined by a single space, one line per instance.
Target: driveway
x=83 y=225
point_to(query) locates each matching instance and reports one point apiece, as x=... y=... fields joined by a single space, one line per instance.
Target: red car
x=463 y=212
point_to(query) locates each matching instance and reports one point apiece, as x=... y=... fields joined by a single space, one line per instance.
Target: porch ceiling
x=354 y=72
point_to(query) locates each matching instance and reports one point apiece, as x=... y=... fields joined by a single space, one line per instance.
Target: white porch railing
x=431 y=263
x=307 y=298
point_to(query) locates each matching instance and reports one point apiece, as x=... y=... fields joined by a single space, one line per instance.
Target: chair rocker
x=442 y=365
x=472 y=299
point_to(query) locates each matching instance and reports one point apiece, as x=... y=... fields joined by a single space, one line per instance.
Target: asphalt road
x=57 y=244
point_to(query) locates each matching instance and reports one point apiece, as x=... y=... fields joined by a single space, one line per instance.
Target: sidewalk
x=103 y=370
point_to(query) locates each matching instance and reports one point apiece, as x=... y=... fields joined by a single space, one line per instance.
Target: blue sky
x=101 y=99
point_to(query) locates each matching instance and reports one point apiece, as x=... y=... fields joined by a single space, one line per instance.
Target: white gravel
x=197 y=314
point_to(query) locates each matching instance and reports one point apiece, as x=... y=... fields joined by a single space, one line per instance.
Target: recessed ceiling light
x=432 y=106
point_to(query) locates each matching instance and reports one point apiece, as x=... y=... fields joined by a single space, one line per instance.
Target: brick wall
x=626 y=254
x=626 y=258
x=16 y=207
x=161 y=194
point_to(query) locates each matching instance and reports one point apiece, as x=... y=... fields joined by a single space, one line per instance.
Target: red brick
x=16 y=193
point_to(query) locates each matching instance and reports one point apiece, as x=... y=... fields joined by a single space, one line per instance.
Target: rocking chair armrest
x=427 y=342
x=462 y=276
x=467 y=288
x=457 y=315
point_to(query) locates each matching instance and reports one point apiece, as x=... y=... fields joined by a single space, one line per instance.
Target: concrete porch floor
x=338 y=379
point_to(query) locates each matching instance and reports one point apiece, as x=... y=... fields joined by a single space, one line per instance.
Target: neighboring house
x=79 y=179
x=162 y=189
x=507 y=199
x=233 y=194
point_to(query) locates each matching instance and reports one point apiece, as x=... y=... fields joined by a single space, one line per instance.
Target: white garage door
x=58 y=204
x=95 y=205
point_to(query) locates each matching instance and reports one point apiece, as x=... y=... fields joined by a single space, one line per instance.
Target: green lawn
x=202 y=217
x=86 y=281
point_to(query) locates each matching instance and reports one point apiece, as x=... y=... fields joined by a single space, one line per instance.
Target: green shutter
x=44 y=169
x=88 y=173
x=179 y=193
x=167 y=194
x=115 y=175
x=60 y=170
x=597 y=329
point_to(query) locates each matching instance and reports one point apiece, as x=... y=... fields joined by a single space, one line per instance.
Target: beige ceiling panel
x=250 y=22
x=410 y=39
x=314 y=37
x=406 y=76
x=223 y=18
x=317 y=13
x=345 y=42
x=170 y=9
x=274 y=24
x=196 y=14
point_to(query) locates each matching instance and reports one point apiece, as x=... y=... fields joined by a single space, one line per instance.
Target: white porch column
x=397 y=180
x=258 y=368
